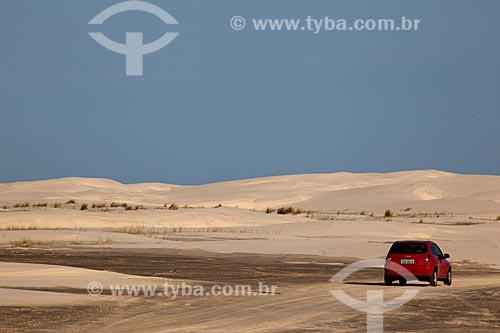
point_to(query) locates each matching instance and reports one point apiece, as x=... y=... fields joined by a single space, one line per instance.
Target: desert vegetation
x=28 y=227
x=99 y=205
x=159 y=231
x=291 y=210
x=25 y=242
x=100 y=241
x=269 y=210
x=173 y=207
x=116 y=205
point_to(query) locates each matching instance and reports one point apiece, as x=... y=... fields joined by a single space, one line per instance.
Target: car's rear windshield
x=409 y=248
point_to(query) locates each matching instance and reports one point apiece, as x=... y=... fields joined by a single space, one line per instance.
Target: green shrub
x=84 y=207
x=388 y=213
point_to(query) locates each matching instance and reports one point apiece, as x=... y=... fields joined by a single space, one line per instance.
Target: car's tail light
x=388 y=258
x=427 y=259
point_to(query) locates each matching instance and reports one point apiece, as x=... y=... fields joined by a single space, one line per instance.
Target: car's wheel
x=387 y=280
x=449 y=278
x=402 y=282
x=434 y=278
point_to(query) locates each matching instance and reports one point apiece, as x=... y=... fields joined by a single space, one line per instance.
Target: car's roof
x=412 y=241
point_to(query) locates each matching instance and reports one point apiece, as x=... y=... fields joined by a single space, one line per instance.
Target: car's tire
x=434 y=278
x=402 y=282
x=387 y=280
x=449 y=278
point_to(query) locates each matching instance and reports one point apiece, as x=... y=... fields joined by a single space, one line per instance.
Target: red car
x=422 y=259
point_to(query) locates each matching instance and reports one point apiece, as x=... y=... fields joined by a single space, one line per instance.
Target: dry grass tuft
x=25 y=242
x=104 y=241
x=155 y=231
x=270 y=210
x=292 y=211
x=117 y=205
x=28 y=227
x=99 y=205
x=173 y=207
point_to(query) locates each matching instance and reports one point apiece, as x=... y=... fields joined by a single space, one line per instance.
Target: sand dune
x=427 y=191
x=470 y=204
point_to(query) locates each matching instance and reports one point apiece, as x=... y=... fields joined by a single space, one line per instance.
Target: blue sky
x=218 y=104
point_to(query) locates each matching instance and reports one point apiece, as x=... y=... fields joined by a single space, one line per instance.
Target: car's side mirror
x=446 y=255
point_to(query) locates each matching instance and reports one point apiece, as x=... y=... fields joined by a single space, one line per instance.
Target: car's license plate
x=407 y=261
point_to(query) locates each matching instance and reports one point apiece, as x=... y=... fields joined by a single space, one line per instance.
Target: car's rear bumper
x=419 y=271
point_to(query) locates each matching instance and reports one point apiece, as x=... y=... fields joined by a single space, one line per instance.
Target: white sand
x=426 y=190
x=465 y=199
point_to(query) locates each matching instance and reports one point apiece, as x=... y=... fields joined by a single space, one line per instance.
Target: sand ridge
x=423 y=190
